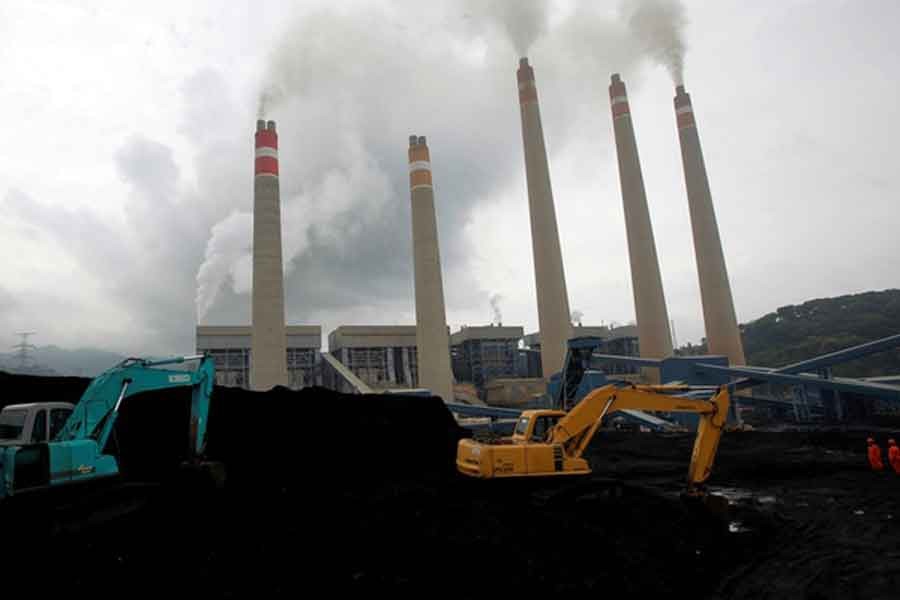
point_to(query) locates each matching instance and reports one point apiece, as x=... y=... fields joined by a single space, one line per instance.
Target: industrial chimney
x=722 y=334
x=268 y=359
x=649 y=300
x=432 y=339
x=549 y=277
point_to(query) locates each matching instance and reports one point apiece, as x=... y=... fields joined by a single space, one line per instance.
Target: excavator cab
x=535 y=426
x=530 y=451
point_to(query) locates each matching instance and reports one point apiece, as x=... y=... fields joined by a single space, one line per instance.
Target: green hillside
x=797 y=332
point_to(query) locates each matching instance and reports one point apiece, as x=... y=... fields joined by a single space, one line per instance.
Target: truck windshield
x=11 y=423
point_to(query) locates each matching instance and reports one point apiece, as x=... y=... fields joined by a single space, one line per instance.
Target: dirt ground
x=358 y=493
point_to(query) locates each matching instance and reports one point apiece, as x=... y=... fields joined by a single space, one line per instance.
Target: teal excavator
x=79 y=452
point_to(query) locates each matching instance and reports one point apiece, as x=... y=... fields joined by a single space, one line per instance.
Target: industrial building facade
x=622 y=341
x=482 y=354
x=383 y=356
x=230 y=347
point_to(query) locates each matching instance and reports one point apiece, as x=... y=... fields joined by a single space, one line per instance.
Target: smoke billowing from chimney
x=292 y=69
x=227 y=256
x=659 y=26
x=269 y=96
x=495 y=307
x=523 y=20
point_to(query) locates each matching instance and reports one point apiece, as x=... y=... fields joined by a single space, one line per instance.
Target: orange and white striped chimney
x=649 y=299
x=549 y=276
x=432 y=338
x=722 y=333
x=268 y=353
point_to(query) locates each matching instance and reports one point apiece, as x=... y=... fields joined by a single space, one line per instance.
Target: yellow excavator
x=552 y=442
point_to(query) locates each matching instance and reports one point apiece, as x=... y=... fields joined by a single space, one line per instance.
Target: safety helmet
x=870 y=441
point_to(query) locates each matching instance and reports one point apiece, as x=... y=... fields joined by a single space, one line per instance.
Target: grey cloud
x=79 y=232
x=145 y=264
x=346 y=89
x=7 y=301
x=149 y=167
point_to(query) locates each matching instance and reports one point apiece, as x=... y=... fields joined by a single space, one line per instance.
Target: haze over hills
x=82 y=362
x=789 y=334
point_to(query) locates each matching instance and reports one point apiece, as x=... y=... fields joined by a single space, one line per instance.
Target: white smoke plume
x=659 y=26
x=577 y=316
x=495 y=307
x=523 y=21
x=227 y=258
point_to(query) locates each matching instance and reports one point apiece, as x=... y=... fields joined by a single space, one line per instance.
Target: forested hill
x=797 y=332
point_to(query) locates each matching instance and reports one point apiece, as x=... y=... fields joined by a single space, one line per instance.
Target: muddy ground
x=358 y=494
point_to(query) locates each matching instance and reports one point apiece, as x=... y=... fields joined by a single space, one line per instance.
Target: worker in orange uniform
x=894 y=455
x=874 y=455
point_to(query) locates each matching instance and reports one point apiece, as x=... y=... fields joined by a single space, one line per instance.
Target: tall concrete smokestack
x=649 y=300
x=432 y=339
x=549 y=277
x=722 y=334
x=268 y=359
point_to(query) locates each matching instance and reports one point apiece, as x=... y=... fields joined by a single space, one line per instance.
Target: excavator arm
x=575 y=430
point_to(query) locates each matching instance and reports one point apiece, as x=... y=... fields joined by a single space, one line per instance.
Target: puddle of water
x=735 y=495
x=737 y=527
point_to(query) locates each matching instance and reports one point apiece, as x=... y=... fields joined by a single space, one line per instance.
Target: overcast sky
x=126 y=172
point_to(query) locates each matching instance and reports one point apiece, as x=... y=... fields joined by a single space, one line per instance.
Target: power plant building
x=483 y=354
x=382 y=356
x=230 y=347
x=722 y=333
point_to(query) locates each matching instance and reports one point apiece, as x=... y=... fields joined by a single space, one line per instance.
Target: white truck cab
x=33 y=423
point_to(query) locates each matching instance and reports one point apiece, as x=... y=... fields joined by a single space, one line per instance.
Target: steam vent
x=549 y=277
x=432 y=338
x=268 y=362
x=722 y=334
x=646 y=282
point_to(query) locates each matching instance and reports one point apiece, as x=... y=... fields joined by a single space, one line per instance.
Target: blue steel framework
x=706 y=372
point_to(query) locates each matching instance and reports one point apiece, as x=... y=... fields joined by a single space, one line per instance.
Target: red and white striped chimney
x=268 y=358
x=549 y=275
x=649 y=300
x=722 y=333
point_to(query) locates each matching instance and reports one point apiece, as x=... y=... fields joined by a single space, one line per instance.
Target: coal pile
x=282 y=438
x=359 y=494
x=21 y=389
